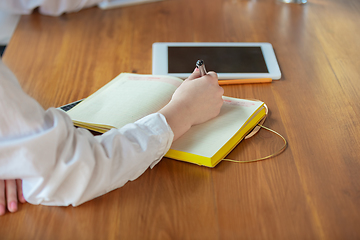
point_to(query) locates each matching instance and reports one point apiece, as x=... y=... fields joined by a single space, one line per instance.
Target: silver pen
x=201 y=66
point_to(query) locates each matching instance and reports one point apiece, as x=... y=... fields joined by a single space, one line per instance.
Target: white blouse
x=48 y=7
x=62 y=165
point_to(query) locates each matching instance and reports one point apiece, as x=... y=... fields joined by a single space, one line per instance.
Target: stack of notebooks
x=130 y=97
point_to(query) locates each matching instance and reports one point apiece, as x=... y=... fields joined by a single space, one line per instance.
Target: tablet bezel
x=160 y=59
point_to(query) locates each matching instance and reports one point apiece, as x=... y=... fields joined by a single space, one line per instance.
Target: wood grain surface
x=311 y=191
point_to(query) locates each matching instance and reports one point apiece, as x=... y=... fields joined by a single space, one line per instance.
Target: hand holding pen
x=197 y=100
x=201 y=66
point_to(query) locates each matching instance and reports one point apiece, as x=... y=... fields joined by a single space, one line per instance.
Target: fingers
x=19 y=191
x=213 y=75
x=10 y=192
x=194 y=75
x=210 y=76
x=2 y=197
x=11 y=195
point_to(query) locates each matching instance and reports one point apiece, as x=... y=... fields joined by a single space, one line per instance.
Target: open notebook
x=130 y=97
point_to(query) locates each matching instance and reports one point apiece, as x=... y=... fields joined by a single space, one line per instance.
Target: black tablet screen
x=218 y=59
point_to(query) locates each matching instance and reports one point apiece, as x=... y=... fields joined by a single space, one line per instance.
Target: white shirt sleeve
x=63 y=165
x=47 y=7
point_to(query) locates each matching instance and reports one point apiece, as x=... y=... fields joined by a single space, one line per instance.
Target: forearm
x=63 y=165
x=177 y=118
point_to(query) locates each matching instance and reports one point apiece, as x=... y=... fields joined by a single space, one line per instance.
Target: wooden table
x=311 y=191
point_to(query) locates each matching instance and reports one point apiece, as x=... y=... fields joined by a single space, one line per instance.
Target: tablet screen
x=218 y=59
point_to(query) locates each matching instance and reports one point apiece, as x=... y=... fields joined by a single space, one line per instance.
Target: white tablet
x=228 y=60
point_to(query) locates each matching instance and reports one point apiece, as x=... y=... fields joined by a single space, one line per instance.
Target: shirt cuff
x=161 y=129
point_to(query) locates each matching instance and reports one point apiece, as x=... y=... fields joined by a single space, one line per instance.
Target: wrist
x=178 y=119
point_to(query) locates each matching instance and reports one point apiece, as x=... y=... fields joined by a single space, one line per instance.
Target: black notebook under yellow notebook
x=130 y=97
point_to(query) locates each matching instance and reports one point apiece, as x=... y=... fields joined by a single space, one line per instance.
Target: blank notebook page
x=125 y=100
x=233 y=115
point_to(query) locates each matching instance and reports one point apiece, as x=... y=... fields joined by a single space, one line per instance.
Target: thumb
x=195 y=74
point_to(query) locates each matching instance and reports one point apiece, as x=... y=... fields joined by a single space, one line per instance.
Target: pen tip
x=199 y=63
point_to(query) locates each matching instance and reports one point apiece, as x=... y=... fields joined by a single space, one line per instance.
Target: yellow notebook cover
x=207 y=144
x=130 y=97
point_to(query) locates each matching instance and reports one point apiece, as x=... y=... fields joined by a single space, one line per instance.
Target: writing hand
x=197 y=100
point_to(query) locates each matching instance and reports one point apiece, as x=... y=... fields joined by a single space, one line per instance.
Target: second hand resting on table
x=197 y=100
x=11 y=190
